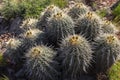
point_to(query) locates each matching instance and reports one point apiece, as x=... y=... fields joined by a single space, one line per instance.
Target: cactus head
x=43 y=20
x=40 y=64
x=108 y=27
x=29 y=23
x=13 y=43
x=32 y=33
x=74 y=40
x=58 y=15
x=75 y=56
x=49 y=8
x=110 y=39
x=35 y=52
x=89 y=26
x=60 y=26
x=107 y=51
x=77 y=11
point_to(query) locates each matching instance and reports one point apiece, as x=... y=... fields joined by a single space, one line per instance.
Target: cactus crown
x=110 y=39
x=58 y=15
x=30 y=22
x=13 y=43
x=50 y=7
x=79 y=5
x=107 y=22
x=32 y=34
x=89 y=15
x=74 y=40
x=35 y=51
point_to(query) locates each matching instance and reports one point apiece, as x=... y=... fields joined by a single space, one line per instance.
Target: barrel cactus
x=60 y=25
x=78 y=10
x=13 y=53
x=108 y=27
x=89 y=26
x=40 y=64
x=114 y=71
x=76 y=56
x=50 y=10
x=107 y=51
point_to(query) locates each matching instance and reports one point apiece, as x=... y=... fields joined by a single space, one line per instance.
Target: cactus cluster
x=69 y=46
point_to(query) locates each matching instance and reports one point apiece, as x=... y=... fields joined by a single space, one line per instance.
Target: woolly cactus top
x=38 y=51
x=29 y=23
x=75 y=40
x=13 y=43
x=60 y=16
x=80 y=5
x=108 y=27
x=109 y=39
x=78 y=10
x=51 y=8
x=91 y=16
x=35 y=51
x=32 y=33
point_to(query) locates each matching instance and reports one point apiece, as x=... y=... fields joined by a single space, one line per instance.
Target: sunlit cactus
x=60 y=26
x=107 y=51
x=13 y=53
x=29 y=23
x=78 y=10
x=76 y=56
x=108 y=27
x=89 y=26
x=40 y=64
x=43 y=20
x=35 y=35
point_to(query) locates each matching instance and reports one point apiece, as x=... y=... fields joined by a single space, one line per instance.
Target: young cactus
x=60 y=25
x=108 y=27
x=40 y=64
x=114 y=71
x=50 y=10
x=107 y=51
x=76 y=56
x=89 y=26
x=13 y=53
x=77 y=11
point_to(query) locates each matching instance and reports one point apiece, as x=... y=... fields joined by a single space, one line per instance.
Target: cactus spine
x=76 y=55
x=40 y=64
